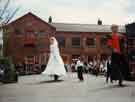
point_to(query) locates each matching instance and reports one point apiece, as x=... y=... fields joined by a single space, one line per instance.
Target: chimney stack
x=99 y=22
x=50 y=19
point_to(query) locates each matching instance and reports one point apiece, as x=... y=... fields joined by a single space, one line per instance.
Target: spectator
x=79 y=67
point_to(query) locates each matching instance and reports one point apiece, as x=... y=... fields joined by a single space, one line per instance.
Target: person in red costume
x=114 y=43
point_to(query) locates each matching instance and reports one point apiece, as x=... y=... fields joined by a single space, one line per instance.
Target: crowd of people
x=95 y=66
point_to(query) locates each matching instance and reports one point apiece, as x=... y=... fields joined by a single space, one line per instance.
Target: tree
x=6 y=11
x=6 y=14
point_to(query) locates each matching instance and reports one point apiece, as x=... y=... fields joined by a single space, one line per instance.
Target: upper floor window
x=17 y=31
x=61 y=41
x=41 y=32
x=103 y=42
x=29 y=40
x=76 y=42
x=42 y=45
x=91 y=42
x=30 y=32
x=29 y=24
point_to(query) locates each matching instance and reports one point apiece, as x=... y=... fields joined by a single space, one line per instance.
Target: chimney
x=99 y=22
x=50 y=19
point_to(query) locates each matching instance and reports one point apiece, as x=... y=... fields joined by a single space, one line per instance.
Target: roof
x=33 y=15
x=70 y=27
x=67 y=27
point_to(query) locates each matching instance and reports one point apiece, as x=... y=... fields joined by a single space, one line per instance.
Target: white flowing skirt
x=55 y=66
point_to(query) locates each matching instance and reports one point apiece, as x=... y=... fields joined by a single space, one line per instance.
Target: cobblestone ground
x=39 y=88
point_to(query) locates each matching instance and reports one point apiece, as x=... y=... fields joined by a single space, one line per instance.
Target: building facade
x=130 y=31
x=28 y=41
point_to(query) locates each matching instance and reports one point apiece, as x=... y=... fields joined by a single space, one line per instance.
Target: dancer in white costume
x=55 y=66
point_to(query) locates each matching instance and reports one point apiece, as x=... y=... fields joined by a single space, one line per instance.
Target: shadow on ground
x=46 y=82
x=108 y=88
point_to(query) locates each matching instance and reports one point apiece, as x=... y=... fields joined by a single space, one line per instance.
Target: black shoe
x=56 y=77
x=120 y=83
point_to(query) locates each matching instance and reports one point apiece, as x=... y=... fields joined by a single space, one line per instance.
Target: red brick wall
x=83 y=51
x=18 y=31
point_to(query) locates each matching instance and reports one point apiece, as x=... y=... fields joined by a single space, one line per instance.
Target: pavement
x=40 y=88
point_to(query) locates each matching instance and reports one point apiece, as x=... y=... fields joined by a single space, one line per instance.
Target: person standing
x=79 y=66
x=90 y=65
x=55 y=66
x=97 y=68
x=114 y=42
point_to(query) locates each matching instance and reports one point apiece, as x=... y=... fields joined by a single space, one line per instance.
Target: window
x=41 y=32
x=17 y=31
x=91 y=42
x=29 y=24
x=131 y=42
x=29 y=40
x=76 y=42
x=61 y=41
x=103 y=42
x=30 y=32
x=30 y=59
x=42 y=45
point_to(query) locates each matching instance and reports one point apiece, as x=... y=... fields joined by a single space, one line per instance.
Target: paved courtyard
x=38 y=88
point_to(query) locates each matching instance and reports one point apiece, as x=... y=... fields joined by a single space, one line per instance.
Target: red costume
x=114 y=43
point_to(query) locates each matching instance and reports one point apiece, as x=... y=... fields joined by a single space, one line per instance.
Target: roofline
x=87 y=32
x=82 y=24
x=74 y=24
x=33 y=16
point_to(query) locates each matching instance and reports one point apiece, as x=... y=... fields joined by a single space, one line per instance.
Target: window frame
x=75 y=45
x=90 y=45
x=101 y=42
x=61 y=44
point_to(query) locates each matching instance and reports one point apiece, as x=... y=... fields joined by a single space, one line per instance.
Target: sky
x=79 y=11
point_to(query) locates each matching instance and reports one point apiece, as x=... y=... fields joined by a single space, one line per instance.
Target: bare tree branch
x=6 y=13
x=5 y=7
x=12 y=15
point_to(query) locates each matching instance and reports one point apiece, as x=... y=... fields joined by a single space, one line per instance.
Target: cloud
x=80 y=11
x=89 y=13
x=131 y=6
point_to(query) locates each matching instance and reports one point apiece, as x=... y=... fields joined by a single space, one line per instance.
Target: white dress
x=55 y=64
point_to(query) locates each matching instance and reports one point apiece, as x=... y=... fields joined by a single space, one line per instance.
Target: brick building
x=28 y=40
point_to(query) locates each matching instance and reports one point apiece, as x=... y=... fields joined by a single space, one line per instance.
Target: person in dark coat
x=125 y=68
x=116 y=73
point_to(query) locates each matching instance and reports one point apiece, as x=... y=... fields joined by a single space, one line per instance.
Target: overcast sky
x=79 y=11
